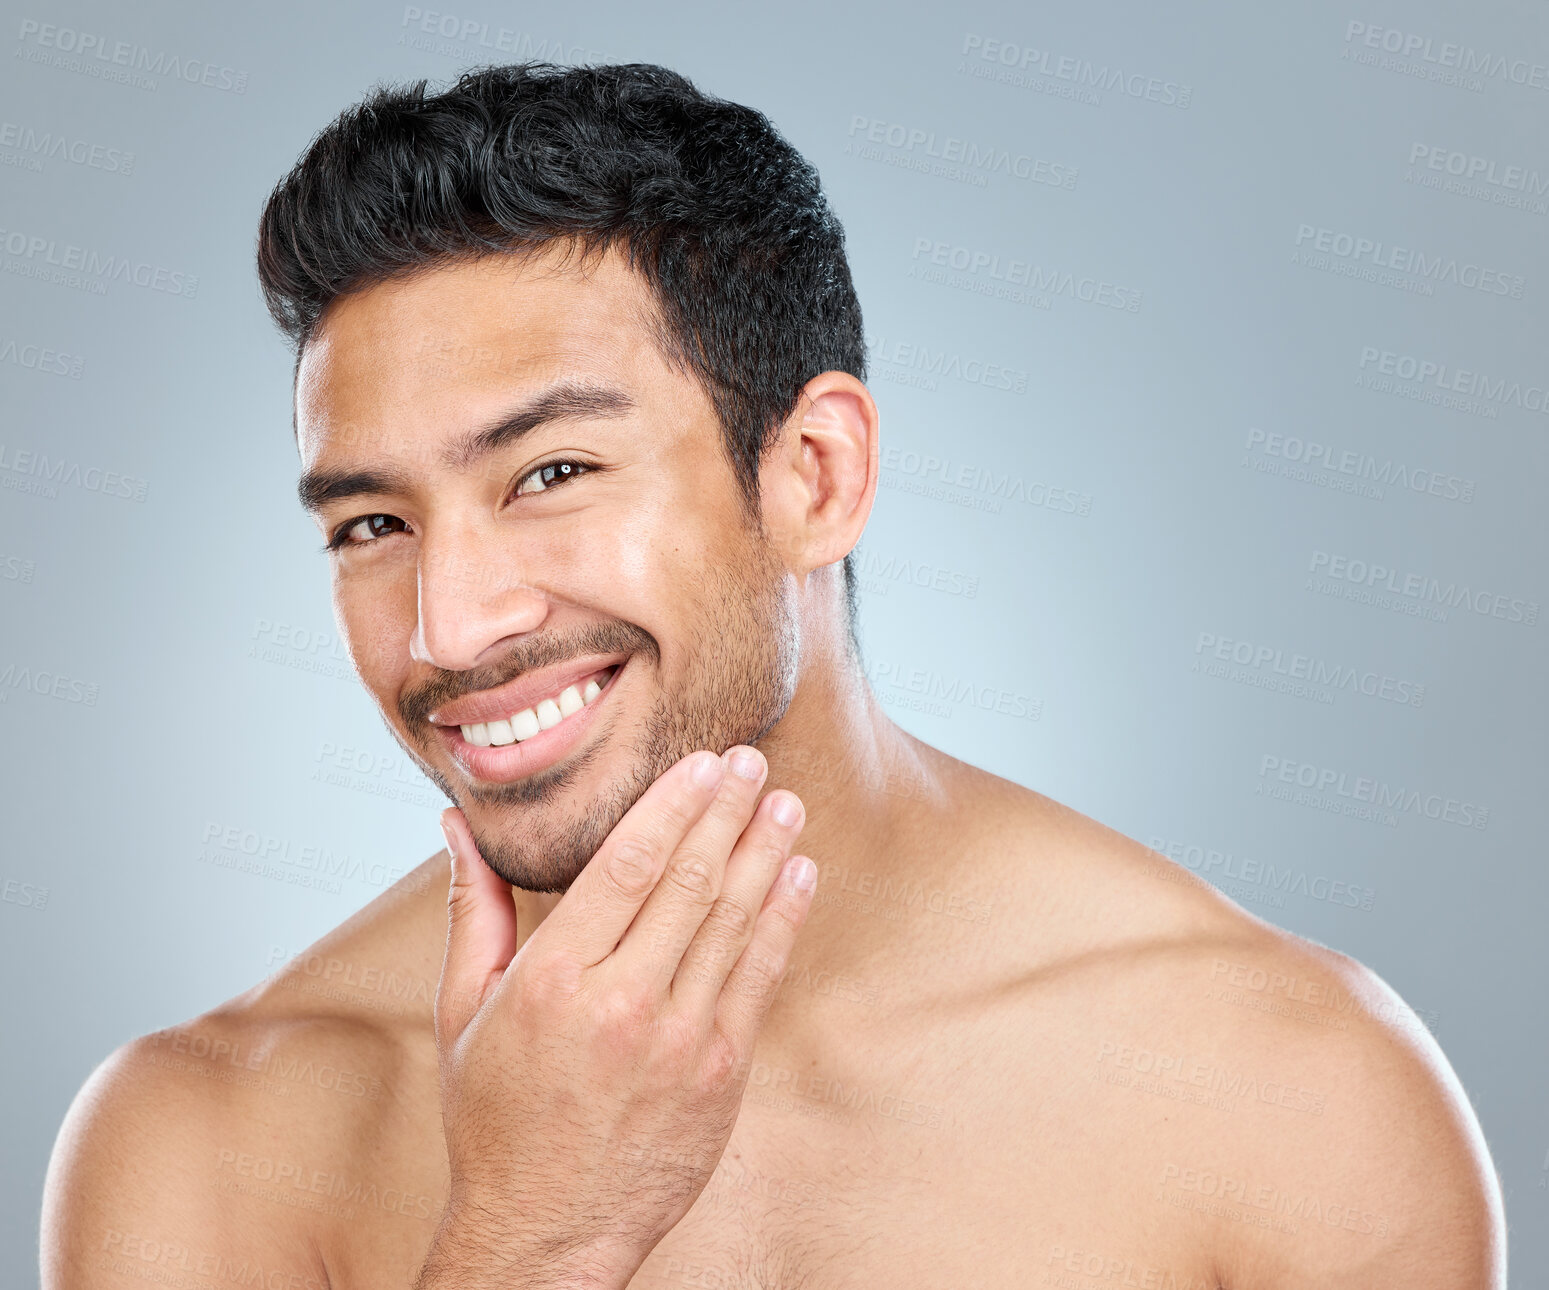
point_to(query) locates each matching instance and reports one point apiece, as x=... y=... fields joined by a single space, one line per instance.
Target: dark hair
x=723 y=217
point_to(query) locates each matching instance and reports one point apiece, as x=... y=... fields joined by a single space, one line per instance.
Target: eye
x=366 y=529
x=549 y=474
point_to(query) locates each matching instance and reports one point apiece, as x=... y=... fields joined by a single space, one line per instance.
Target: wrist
x=469 y=1253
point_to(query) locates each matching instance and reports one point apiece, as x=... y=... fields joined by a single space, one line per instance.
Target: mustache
x=415 y=705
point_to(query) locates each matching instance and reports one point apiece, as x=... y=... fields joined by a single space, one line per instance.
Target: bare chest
x=941 y=1157
x=827 y=1182
x=819 y=1213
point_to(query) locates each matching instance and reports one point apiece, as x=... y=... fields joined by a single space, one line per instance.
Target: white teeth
x=528 y=722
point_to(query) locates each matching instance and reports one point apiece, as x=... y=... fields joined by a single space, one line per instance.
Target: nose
x=471 y=598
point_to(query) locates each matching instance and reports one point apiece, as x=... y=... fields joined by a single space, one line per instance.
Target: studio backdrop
x=1211 y=347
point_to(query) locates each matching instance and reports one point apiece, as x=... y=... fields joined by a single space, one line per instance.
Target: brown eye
x=368 y=528
x=554 y=472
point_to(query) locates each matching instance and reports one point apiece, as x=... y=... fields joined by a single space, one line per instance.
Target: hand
x=590 y=1082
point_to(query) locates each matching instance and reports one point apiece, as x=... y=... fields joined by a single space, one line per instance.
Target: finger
x=593 y=915
x=652 y=948
x=751 y=985
x=480 y=931
x=727 y=929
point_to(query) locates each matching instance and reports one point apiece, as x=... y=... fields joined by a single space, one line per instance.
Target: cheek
x=639 y=552
x=662 y=551
x=376 y=619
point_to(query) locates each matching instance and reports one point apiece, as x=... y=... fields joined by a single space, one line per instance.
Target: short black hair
x=724 y=218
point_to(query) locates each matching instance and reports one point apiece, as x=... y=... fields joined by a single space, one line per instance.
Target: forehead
x=460 y=338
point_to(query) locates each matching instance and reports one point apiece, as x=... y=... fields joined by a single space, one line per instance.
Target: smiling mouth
x=544 y=715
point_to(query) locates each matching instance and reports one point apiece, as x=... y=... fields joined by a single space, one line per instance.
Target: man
x=581 y=413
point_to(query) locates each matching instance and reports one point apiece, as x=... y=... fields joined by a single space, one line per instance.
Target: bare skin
x=1010 y=1046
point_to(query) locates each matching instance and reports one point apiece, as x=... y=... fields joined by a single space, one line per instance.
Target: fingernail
x=707 y=768
x=785 y=811
x=746 y=765
x=451 y=845
x=804 y=875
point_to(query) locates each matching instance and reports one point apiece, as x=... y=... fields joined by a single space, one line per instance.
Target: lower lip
x=511 y=762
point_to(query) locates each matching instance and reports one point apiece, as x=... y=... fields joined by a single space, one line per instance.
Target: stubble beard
x=538 y=834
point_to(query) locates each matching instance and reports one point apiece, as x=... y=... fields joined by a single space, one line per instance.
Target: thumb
x=480 y=931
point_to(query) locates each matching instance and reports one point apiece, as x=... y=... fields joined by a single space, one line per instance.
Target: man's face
x=497 y=554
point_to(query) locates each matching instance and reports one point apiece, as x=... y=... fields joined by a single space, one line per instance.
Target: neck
x=867 y=786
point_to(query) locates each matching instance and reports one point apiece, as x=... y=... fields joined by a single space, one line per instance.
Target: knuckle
x=695 y=877
x=728 y=924
x=677 y=1041
x=765 y=971
x=545 y=984
x=786 y=910
x=625 y=1012
x=460 y=904
x=631 y=867
x=719 y=1065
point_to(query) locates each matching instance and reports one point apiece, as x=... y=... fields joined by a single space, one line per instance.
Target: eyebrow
x=566 y=400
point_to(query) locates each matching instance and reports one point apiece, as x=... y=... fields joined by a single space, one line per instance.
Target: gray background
x=174 y=700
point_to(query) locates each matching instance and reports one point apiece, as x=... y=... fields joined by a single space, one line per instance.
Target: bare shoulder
x=1359 y=1142
x=226 y=1147
x=1275 y=1093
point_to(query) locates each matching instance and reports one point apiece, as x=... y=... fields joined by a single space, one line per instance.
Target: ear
x=818 y=481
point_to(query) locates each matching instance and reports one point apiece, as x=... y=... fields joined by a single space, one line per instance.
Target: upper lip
x=521 y=692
